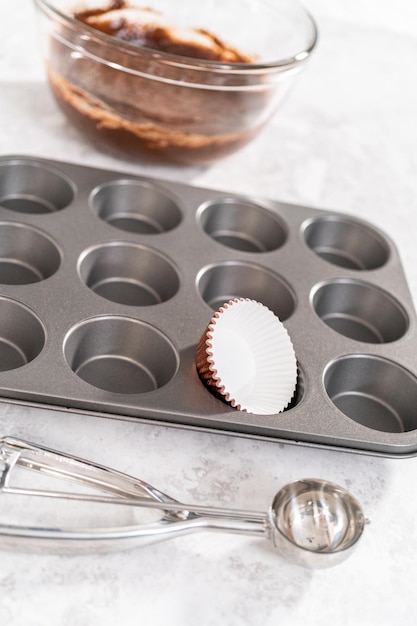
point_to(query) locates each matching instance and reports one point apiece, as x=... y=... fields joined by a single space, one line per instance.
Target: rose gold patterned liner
x=246 y=357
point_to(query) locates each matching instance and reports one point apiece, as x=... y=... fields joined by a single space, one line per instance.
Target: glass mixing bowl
x=192 y=81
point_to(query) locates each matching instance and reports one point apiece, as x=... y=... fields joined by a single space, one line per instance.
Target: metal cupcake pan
x=108 y=280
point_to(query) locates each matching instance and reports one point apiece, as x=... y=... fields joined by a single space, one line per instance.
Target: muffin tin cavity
x=136 y=207
x=120 y=355
x=108 y=281
x=30 y=187
x=374 y=392
x=360 y=311
x=22 y=335
x=129 y=274
x=27 y=255
x=242 y=225
x=346 y=242
x=233 y=279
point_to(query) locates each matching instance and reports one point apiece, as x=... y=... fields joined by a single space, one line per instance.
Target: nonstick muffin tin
x=108 y=280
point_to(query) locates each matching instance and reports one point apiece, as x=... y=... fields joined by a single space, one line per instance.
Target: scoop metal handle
x=177 y=518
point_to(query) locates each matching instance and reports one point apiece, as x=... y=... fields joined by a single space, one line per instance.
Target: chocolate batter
x=143 y=27
x=147 y=108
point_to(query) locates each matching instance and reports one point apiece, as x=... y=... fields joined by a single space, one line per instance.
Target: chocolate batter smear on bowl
x=147 y=27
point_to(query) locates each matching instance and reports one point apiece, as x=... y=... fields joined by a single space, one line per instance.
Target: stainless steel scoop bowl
x=316 y=522
x=312 y=521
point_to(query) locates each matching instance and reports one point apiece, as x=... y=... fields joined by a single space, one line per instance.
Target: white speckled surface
x=345 y=140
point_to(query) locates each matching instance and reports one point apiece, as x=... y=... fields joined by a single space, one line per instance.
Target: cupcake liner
x=246 y=357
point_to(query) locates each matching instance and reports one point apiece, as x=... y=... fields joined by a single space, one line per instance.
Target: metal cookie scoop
x=314 y=522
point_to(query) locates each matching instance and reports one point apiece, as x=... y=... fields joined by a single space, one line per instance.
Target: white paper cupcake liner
x=246 y=356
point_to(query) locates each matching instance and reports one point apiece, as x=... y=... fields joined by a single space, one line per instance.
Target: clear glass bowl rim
x=47 y=7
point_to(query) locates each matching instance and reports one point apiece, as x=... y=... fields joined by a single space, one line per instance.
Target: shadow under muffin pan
x=108 y=280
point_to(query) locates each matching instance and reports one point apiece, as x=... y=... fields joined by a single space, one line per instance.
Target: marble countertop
x=344 y=140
